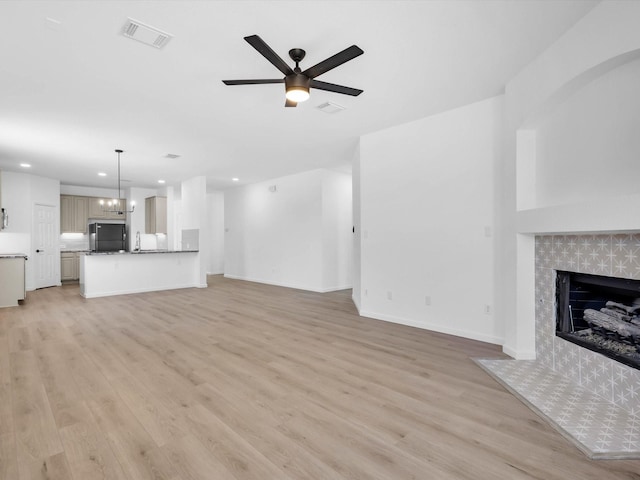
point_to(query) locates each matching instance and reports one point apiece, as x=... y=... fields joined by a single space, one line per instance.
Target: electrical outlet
x=487 y=309
x=389 y=295
x=366 y=292
x=427 y=300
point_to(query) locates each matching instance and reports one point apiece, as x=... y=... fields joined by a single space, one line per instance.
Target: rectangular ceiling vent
x=330 y=107
x=172 y=155
x=146 y=34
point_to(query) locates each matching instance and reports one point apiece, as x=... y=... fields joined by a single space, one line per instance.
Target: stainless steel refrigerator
x=107 y=237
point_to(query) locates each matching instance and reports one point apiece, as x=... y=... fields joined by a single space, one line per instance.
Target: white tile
x=602 y=427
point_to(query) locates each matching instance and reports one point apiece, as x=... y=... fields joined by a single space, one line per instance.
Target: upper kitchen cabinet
x=97 y=210
x=155 y=215
x=74 y=214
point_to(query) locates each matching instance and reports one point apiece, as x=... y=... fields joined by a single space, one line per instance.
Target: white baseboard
x=141 y=290
x=356 y=303
x=287 y=285
x=435 y=328
x=519 y=355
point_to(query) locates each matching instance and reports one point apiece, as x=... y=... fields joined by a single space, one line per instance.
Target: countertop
x=13 y=255
x=142 y=252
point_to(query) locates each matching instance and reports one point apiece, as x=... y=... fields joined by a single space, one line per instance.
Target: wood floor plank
x=247 y=381
x=256 y=422
x=159 y=422
x=193 y=461
x=229 y=447
x=89 y=454
x=51 y=468
x=131 y=444
x=64 y=397
x=8 y=456
x=350 y=454
x=35 y=429
x=19 y=339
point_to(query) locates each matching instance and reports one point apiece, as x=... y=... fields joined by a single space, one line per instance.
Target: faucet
x=137 y=247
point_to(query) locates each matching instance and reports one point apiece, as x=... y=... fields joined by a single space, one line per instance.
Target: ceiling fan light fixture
x=297 y=94
x=297 y=87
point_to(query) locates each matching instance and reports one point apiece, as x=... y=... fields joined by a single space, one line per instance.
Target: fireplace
x=600 y=313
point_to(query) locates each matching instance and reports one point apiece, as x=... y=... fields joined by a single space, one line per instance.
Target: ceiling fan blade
x=332 y=87
x=256 y=42
x=253 y=82
x=290 y=103
x=332 y=62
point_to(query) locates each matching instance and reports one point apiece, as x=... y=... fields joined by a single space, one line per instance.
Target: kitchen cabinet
x=67 y=266
x=12 y=279
x=96 y=210
x=74 y=214
x=155 y=215
x=70 y=265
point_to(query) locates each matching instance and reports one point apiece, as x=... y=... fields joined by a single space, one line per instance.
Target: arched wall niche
x=581 y=145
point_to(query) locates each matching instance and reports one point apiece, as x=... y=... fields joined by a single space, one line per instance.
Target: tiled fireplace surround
x=615 y=255
x=592 y=400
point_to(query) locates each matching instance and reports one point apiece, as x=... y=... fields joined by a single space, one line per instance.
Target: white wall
x=356 y=267
x=107 y=193
x=278 y=237
x=337 y=224
x=562 y=98
x=215 y=243
x=174 y=218
x=427 y=206
x=194 y=217
x=136 y=220
x=20 y=193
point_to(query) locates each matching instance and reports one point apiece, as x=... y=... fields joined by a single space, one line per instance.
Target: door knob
x=38 y=251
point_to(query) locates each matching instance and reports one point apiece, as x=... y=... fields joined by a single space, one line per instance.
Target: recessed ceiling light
x=25 y=165
x=102 y=174
x=235 y=179
x=160 y=181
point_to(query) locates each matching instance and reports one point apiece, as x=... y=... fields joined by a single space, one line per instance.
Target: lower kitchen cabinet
x=70 y=265
x=12 y=280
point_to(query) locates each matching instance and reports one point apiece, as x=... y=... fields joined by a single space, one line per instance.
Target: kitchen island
x=105 y=274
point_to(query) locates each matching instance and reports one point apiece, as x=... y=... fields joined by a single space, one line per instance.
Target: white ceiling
x=74 y=89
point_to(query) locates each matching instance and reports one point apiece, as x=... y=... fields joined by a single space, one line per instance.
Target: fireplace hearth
x=600 y=313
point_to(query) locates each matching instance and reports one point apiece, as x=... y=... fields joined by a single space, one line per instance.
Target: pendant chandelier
x=113 y=206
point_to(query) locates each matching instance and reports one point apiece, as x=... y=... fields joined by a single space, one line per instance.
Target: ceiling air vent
x=330 y=107
x=172 y=155
x=146 y=34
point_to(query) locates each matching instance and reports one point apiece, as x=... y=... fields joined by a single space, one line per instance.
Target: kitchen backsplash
x=74 y=241
x=78 y=241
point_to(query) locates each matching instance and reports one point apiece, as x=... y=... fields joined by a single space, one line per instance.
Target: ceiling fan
x=297 y=82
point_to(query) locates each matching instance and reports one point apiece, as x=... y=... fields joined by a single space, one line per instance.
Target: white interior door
x=46 y=251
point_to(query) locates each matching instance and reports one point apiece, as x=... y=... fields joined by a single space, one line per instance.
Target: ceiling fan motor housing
x=296 y=81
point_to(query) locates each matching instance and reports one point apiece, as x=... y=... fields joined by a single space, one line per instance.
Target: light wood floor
x=247 y=381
